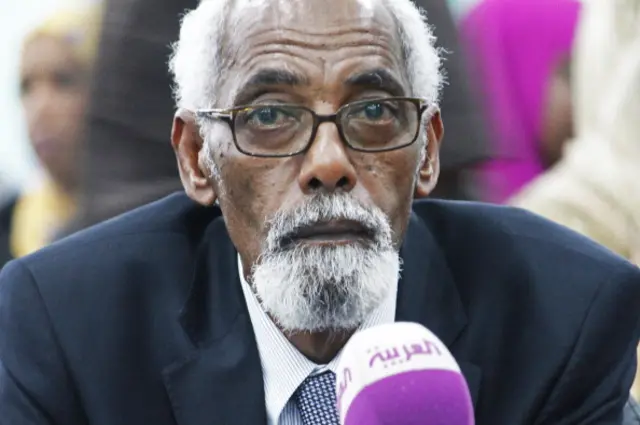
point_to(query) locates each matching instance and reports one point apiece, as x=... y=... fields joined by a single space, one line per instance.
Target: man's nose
x=326 y=165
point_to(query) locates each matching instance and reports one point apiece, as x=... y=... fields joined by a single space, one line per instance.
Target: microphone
x=401 y=374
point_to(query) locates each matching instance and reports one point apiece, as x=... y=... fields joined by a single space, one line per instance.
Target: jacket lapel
x=219 y=380
x=427 y=294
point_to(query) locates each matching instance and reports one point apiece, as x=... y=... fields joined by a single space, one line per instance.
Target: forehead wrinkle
x=368 y=17
x=326 y=40
x=293 y=42
x=309 y=66
x=275 y=58
x=255 y=56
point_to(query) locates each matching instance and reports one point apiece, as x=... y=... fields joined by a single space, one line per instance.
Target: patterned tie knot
x=316 y=400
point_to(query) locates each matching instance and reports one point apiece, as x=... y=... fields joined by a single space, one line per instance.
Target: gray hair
x=197 y=63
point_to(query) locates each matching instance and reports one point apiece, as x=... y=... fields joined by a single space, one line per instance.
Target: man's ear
x=187 y=145
x=430 y=168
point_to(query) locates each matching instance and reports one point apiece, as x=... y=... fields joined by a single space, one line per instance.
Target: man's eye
x=375 y=111
x=267 y=116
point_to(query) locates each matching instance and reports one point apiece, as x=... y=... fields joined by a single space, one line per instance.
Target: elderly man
x=304 y=132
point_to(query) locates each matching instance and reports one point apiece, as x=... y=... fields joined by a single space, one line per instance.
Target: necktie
x=316 y=400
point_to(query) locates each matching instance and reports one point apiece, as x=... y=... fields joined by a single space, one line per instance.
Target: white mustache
x=324 y=208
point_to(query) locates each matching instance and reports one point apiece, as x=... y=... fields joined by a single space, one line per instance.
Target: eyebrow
x=265 y=78
x=378 y=79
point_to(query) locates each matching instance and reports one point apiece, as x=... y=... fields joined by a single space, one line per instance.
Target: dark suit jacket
x=141 y=320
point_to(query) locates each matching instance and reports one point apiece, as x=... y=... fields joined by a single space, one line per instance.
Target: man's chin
x=334 y=287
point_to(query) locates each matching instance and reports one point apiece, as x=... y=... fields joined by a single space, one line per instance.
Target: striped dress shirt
x=284 y=368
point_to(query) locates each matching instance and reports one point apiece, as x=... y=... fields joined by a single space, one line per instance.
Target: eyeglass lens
x=285 y=129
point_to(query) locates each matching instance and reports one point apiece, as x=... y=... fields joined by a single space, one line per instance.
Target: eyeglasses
x=277 y=130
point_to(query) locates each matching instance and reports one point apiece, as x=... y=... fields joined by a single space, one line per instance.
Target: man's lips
x=334 y=231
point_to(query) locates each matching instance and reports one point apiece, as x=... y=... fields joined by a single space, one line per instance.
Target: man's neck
x=319 y=347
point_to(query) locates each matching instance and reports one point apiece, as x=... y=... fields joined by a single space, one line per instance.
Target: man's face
x=323 y=225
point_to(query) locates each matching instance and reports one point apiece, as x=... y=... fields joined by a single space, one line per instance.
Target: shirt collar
x=284 y=368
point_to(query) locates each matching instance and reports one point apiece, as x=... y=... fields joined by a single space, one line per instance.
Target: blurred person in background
x=595 y=188
x=519 y=53
x=55 y=71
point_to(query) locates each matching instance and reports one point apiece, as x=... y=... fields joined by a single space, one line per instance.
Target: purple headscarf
x=512 y=48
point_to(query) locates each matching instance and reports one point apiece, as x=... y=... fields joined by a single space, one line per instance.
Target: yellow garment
x=79 y=28
x=36 y=217
x=595 y=188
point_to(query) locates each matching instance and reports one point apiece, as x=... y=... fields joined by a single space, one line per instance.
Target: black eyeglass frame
x=229 y=116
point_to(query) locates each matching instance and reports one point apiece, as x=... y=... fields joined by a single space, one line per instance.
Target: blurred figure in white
x=595 y=189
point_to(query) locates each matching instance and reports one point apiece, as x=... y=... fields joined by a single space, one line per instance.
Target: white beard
x=306 y=287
